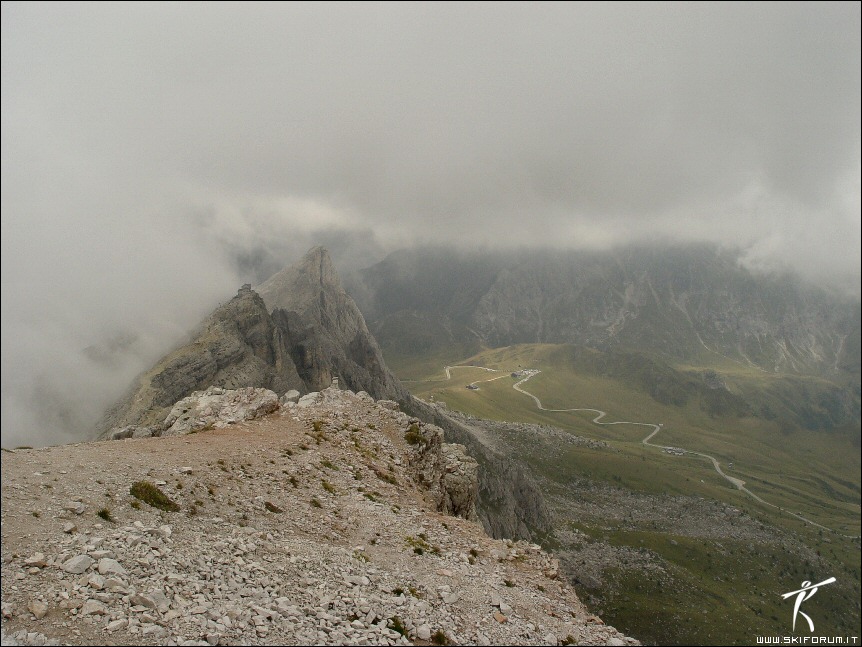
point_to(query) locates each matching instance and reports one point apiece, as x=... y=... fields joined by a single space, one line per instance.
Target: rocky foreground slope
x=316 y=524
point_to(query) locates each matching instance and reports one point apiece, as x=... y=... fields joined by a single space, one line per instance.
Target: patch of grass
x=329 y=487
x=135 y=504
x=383 y=475
x=36 y=514
x=397 y=591
x=395 y=624
x=315 y=503
x=414 y=437
x=272 y=507
x=439 y=638
x=153 y=496
x=420 y=544
x=362 y=557
x=328 y=465
x=105 y=514
x=317 y=425
x=509 y=583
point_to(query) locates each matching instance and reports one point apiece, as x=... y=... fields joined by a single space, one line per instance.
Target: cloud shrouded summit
x=151 y=153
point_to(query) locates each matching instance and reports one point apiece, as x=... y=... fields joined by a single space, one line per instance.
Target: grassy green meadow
x=721 y=572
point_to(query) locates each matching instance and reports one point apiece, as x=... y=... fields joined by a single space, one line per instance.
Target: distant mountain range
x=683 y=303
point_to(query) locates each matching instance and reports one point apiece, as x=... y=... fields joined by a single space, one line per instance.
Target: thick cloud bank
x=156 y=156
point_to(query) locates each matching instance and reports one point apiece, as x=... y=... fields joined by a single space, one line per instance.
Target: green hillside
x=639 y=501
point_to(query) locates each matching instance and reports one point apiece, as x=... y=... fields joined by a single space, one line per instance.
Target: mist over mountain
x=677 y=301
x=646 y=308
x=303 y=333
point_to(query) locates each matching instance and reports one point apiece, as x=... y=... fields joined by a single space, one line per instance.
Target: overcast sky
x=148 y=147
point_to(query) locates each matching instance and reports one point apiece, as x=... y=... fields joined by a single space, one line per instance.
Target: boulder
x=291 y=396
x=130 y=431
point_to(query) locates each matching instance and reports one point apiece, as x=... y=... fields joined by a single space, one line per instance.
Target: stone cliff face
x=510 y=503
x=327 y=332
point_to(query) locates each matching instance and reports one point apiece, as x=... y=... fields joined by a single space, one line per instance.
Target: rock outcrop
x=217 y=407
x=237 y=346
x=510 y=503
x=444 y=469
x=302 y=334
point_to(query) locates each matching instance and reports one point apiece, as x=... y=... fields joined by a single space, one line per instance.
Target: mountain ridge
x=679 y=301
x=308 y=333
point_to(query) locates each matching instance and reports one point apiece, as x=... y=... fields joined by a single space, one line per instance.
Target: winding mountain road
x=656 y=427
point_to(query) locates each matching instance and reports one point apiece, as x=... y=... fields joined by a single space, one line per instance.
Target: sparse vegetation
x=316 y=504
x=329 y=487
x=153 y=496
x=812 y=473
x=420 y=545
x=439 y=638
x=328 y=465
x=395 y=624
x=414 y=437
x=105 y=514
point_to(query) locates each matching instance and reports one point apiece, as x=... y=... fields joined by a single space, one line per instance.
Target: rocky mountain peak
x=299 y=286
